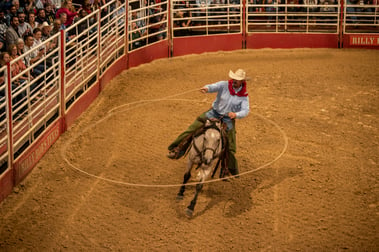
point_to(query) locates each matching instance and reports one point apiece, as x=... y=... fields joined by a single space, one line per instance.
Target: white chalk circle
x=137 y=104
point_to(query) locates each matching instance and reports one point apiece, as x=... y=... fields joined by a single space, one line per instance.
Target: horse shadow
x=235 y=196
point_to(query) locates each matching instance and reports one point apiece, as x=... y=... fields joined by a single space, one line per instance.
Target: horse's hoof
x=189 y=213
x=179 y=197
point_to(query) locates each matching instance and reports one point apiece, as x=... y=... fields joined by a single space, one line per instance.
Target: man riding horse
x=232 y=102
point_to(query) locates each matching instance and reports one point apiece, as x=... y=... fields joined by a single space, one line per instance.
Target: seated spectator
x=20 y=48
x=70 y=47
x=202 y=6
x=2 y=96
x=32 y=20
x=256 y=8
x=18 y=66
x=69 y=10
x=82 y=26
x=271 y=10
x=366 y=10
x=23 y=27
x=154 y=18
x=351 y=9
x=326 y=6
x=3 y=19
x=293 y=9
x=63 y=20
x=38 y=43
x=183 y=20
x=2 y=45
x=12 y=12
x=30 y=6
x=119 y=13
x=3 y=29
x=136 y=34
x=162 y=27
x=39 y=4
x=139 y=22
x=87 y=6
x=18 y=7
x=5 y=5
x=311 y=9
x=50 y=12
x=141 y=26
x=33 y=56
x=98 y=3
x=219 y=11
x=45 y=35
x=41 y=17
x=56 y=26
x=12 y=32
x=4 y=59
x=45 y=30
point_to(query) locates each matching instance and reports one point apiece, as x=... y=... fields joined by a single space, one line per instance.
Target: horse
x=206 y=147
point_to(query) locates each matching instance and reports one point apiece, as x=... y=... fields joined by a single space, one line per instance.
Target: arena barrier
x=40 y=102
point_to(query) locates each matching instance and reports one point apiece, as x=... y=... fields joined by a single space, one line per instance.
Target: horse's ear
x=207 y=123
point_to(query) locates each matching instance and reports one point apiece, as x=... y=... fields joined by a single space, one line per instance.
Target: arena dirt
x=321 y=193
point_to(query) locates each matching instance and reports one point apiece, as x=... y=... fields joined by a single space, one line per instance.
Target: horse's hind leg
x=191 y=206
x=180 y=194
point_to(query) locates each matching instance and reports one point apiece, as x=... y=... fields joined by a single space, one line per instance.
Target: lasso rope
x=141 y=103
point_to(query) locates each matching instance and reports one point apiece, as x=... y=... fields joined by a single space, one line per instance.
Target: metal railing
x=148 y=24
x=70 y=62
x=302 y=18
x=360 y=18
x=206 y=17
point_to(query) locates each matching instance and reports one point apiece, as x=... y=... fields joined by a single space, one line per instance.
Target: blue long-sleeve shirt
x=225 y=102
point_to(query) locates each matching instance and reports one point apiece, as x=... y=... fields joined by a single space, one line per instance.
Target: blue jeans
x=224 y=118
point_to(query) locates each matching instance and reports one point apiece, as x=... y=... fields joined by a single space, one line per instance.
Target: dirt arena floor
x=308 y=155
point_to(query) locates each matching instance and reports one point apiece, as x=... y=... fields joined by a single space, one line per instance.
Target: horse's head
x=212 y=141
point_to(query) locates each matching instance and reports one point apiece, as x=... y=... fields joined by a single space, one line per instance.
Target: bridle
x=201 y=153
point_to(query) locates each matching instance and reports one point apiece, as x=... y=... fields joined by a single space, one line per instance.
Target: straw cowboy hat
x=238 y=75
x=45 y=24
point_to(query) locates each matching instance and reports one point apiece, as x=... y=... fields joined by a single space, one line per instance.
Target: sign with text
x=364 y=40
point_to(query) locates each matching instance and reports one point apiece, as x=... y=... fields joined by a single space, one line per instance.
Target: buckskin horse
x=206 y=147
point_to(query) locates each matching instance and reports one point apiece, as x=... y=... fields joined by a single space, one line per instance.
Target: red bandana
x=242 y=92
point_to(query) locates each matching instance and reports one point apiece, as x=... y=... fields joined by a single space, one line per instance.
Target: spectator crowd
x=24 y=27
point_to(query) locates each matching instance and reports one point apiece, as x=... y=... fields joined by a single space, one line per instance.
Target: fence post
x=62 y=76
x=98 y=47
x=243 y=21
x=127 y=33
x=341 y=23
x=169 y=28
x=8 y=95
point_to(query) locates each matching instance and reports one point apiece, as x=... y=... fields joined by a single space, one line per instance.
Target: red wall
x=291 y=40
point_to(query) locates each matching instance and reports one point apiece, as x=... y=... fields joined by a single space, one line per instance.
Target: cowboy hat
x=45 y=24
x=238 y=75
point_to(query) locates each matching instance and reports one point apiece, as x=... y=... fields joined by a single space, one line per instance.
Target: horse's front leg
x=191 y=207
x=187 y=176
x=203 y=175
